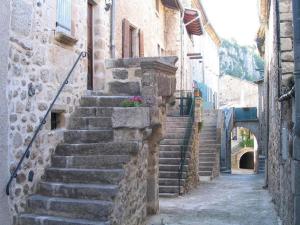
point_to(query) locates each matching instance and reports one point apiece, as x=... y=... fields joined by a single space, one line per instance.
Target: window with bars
x=64 y=16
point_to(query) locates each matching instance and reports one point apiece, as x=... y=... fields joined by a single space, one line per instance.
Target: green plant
x=135 y=101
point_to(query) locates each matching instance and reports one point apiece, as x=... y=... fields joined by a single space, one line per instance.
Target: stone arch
x=247 y=160
x=253 y=126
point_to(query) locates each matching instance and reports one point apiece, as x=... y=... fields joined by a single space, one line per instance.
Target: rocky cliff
x=240 y=61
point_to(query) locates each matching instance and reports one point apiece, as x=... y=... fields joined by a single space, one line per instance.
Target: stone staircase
x=81 y=185
x=209 y=147
x=261 y=165
x=170 y=155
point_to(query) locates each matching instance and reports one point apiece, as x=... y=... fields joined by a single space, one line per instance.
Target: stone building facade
x=276 y=42
x=230 y=96
x=39 y=46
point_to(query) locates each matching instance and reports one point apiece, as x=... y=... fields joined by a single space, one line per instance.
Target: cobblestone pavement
x=228 y=200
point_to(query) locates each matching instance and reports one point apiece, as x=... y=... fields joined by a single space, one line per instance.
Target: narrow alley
x=227 y=200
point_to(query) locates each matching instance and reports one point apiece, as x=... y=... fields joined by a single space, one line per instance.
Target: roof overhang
x=172 y=4
x=192 y=22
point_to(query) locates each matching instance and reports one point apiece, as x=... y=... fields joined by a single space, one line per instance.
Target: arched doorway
x=243 y=150
x=247 y=161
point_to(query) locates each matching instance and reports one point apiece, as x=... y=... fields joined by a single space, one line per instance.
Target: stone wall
x=192 y=180
x=4 y=124
x=130 y=205
x=157 y=84
x=278 y=77
x=230 y=96
x=38 y=60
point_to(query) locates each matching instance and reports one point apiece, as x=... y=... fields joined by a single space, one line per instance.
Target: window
x=63 y=16
x=56 y=120
x=133 y=41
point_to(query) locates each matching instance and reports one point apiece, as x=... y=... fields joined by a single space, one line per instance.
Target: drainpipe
x=296 y=150
x=182 y=51
x=112 y=30
x=296 y=16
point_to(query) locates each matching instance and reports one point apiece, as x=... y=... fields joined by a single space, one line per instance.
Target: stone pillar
x=158 y=85
x=4 y=49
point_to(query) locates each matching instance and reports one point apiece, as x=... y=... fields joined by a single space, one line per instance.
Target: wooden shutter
x=63 y=16
x=126 y=39
x=141 y=43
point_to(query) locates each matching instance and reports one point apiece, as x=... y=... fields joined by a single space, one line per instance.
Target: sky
x=237 y=19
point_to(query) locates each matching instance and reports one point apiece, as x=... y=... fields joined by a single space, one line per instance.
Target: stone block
x=297 y=210
x=120 y=74
x=287 y=56
x=128 y=88
x=287 y=67
x=164 y=85
x=135 y=117
x=286 y=29
x=286 y=44
x=285 y=6
x=21 y=17
x=296 y=177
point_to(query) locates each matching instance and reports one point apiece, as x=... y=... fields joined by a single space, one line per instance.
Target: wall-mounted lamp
x=108 y=4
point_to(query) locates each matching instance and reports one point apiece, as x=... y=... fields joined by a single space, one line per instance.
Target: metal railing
x=185 y=145
x=27 y=151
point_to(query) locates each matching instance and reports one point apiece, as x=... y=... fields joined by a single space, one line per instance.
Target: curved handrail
x=27 y=151
x=184 y=147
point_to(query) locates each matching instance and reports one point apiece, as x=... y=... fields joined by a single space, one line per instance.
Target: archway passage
x=247 y=161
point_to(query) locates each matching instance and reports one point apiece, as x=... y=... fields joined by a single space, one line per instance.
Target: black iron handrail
x=185 y=145
x=27 y=151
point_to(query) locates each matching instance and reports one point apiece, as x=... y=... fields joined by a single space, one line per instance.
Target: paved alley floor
x=228 y=200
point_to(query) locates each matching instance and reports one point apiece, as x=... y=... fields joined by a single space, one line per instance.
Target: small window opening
x=56 y=120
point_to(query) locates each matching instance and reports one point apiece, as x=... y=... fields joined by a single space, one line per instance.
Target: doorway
x=90 y=49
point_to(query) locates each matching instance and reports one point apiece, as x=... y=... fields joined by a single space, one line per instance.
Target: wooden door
x=90 y=46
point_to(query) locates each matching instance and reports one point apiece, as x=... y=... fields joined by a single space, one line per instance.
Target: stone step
x=178 y=125
x=168 y=195
x=178 y=119
x=87 y=136
x=170 y=154
x=102 y=101
x=91 y=162
x=171 y=161
x=210 y=154
x=110 y=148
x=171 y=181
x=205 y=169
x=183 y=135
x=173 y=147
x=174 y=142
x=205 y=178
x=166 y=167
x=79 y=191
x=169 y=189
x=205 y=173
x=207 y=159
x=84 y=176
x=33 y=219
x=90 y=123
x=207 y=141
x=93 y=112
x=207 y=151
x=70 y=208
x=171 y=174
x=209 y=146
x=203 y=164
